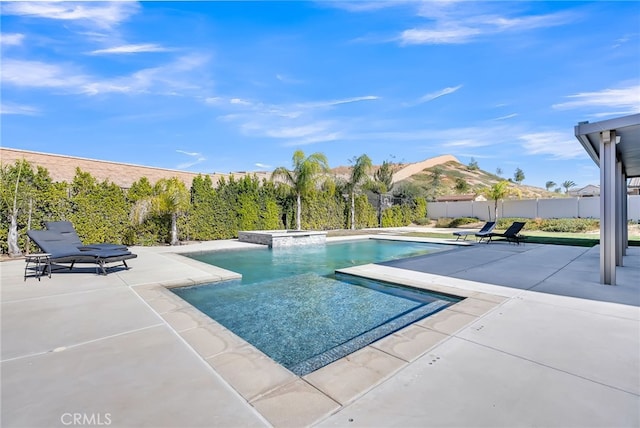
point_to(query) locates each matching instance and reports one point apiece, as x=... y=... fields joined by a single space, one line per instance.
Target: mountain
x=443 y=175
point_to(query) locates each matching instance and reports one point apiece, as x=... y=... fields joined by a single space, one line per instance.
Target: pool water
x=262 y=264
x=292 y=306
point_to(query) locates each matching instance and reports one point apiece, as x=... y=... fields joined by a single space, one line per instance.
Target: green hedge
x=456 y=222
x=568 y=225
x=103 y=212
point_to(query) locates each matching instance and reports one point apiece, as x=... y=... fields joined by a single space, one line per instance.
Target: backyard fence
x=587 y=207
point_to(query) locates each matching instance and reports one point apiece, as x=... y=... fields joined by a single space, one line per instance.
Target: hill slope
x=443 y=175
x=446 y=178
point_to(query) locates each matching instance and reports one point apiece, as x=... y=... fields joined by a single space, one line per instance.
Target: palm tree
x=303 y=176
x=170 y=196
x=568 y=185
x=549 y=185
x=495 y=193
x=359 y=176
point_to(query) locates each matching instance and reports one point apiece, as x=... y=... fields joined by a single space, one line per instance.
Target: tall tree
x=359 y=176
x=382 y=183
x=26 y=198
x=518 y=176
x=496 y=192
x=384 y=176
x=549 y=184
x=499 y=171
x=436 y=176
x=461 y=185
x=303 y=178
x=15 y=192
x=170 y=196
x=473 y=165
x=568 y=185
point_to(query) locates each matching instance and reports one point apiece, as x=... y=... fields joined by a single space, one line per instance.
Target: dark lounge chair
x=66 y=229
x=487 y=228
x=511 y=234
x=62 y=251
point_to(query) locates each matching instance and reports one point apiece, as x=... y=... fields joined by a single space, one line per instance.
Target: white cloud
x=298 y=132
x=353 y=100
x=528 y=22
x=425 y=36
x=8 y=108
x=167 y=79
x=289 y=80
x=442 y=92
x=11 y=39
x=313 y=139
x=331 y=103
x=239 y=101
x=92 y=14
x=509 y=116
x=263 y=165
x=130 y=49
x=447 y=138
x=625 y=98
x=467 y=142
x=610 y=113
x=192 y=154
x=559 y=145
x=366 y=6
x=214 y=100
x=197 y=158
x=38 y=74
x=475 y=155
x=463 y=22
x=295 y=124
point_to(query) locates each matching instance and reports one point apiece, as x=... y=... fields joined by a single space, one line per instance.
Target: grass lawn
x=540 y=237
x=533 y=236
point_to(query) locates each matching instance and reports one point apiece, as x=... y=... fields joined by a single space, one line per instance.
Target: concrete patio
x=538 y=341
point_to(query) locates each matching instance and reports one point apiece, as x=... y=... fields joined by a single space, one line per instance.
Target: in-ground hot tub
x=283 y=238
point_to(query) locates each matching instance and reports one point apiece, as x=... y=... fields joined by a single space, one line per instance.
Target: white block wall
x=590 y=207
x=481 y=209
x=459 y=209
x=633 y=208
x=558 y=208
x=529 y=208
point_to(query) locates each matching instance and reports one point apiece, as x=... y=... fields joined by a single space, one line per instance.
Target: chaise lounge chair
x=62 y=251
x=66 y=229
x=511 y=234
x=487 y=228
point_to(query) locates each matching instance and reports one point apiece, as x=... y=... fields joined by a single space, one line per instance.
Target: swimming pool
x=262 y=264
x=292 y=306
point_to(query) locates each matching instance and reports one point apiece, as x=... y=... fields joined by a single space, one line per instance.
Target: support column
x=618 y=226
x=625 y=215
x=608 y=207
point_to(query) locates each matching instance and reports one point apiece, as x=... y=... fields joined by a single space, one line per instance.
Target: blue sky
x=239 y=86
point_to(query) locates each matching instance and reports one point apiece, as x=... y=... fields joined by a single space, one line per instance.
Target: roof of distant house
x=588 y=190
x=63 y=168
x=460 y=198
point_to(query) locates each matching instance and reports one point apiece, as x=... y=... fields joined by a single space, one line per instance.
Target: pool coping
x=284 y=398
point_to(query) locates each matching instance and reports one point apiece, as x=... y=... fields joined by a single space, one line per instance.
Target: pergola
x=614 y=145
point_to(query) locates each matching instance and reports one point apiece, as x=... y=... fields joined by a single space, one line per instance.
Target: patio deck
x=539 y=342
